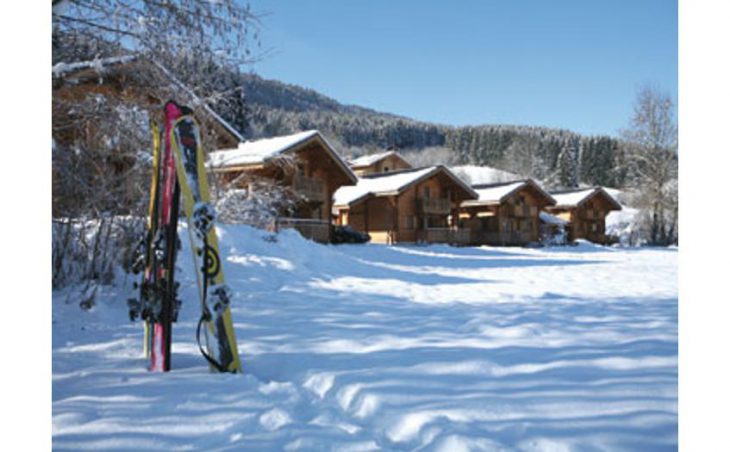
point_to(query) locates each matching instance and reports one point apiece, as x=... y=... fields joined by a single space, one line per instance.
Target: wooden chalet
x=304 y=162
x=135 y=82
x=412 y=205
x=585 y=211
x=383 y=162
x=505 y=213
x=88 y=98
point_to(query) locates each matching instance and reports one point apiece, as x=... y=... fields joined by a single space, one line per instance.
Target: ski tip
x=173 y=107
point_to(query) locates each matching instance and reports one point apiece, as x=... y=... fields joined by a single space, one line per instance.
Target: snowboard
x=215 y=323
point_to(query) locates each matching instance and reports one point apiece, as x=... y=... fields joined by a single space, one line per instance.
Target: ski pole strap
x=203 y=318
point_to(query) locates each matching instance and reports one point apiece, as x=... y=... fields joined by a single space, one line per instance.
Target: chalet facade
x=303 y=162
x=383 y=162
x=505 y=214
x=407 y=206
x=585 y=210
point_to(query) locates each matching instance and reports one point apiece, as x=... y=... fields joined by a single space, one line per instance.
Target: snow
x=572 y=198
x=389 y=184
x=63 y=68
x=367 y=160
x=483 y=174
x=493 y=195
x=258 y=151
x=552 y=219
x=370 y=347
x=624 y=224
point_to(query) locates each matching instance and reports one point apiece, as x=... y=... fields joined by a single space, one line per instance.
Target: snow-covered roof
x=572 y=198
x=260 y=151
x=497 y=193
x=575 y=198
x=367 y=160
x=99 y=64
x=483 y=174
x=552 y=219
x=389 y=184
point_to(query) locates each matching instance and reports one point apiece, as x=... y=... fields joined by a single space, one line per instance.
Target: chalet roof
x=577 y=197
x=102 y=65
x=260 y=151
x=391 y=183
x=497 y=193
x=367 y=160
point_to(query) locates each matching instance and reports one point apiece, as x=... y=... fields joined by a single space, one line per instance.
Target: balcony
x=433 y=206
x=312 y=229
x=312 y=189
x=446 y=235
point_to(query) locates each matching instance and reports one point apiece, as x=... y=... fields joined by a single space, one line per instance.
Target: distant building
x=585 y=211
x=383 y=162
x=304 y=161
x=413 y=205
x=505 y=213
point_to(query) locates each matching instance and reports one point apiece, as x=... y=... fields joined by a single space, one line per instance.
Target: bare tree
x=651 y=146
x=191 y=50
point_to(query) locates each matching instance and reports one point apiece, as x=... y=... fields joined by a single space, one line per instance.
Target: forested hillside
x=558 y=157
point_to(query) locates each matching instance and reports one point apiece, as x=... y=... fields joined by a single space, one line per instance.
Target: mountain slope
x=558 y=156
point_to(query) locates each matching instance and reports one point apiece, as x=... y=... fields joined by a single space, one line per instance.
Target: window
x=386 y=169
x=427 y=192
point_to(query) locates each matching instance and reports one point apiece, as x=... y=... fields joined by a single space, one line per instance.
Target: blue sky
x=568 y=64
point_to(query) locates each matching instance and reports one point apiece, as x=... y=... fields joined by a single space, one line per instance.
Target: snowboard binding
x=203 y=218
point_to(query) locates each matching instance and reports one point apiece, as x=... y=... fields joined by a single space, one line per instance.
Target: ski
x=145 y=261
x=215 y=323
x=165 y=246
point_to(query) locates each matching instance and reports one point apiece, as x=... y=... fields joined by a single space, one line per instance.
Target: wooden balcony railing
x=312 y=189
x=312 y=229
x=446 y=235
x=434 y=206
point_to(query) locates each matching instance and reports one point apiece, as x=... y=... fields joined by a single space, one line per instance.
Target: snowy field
x=368 y=347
